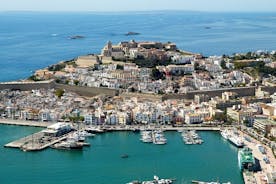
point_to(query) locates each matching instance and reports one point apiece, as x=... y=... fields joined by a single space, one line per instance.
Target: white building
x=180 y=69
x=192 y=118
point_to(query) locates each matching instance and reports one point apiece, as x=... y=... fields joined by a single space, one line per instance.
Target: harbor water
x=102 y=163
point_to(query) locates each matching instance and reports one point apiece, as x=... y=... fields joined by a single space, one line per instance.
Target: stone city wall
x=84 y=91
x=242 y=91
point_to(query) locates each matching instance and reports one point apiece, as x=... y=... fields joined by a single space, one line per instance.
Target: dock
x=36 y=142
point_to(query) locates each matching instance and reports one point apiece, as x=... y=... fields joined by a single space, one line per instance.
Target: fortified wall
x=83 y=91
x=87 y=91
x=241 y=91
x=92 y=91
x=27 y=86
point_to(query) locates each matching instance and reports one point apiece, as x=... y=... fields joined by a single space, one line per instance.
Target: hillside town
x=122 y=67
x=153 y=84
x=160 y=68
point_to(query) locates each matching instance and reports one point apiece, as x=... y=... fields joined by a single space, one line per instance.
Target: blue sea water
x=215 y=159
x=32 y=40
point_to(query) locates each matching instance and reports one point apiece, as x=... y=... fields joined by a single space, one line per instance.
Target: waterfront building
x=90 y=119
x=264 y=125
x=242 y=113
x=58 y=129
x=193 y=118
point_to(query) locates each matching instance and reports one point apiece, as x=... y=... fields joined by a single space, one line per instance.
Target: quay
x=259 y=177
x=25 y=123
x=164 y=128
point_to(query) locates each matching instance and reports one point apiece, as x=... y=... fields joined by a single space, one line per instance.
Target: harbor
x=108 y=148
x=51 y=136
x=60 y=136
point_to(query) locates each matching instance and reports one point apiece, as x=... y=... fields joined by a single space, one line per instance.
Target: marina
x=191 y=137
x=148 y=160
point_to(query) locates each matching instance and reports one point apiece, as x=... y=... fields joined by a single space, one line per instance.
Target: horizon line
x=133 y=11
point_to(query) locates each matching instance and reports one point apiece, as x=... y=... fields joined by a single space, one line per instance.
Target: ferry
x=246 y=159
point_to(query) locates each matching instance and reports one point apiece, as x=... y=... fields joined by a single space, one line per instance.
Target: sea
x=35 y=40
x=32 y=40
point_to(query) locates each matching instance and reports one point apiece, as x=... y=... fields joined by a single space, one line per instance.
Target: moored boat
x=224 y=134
x=155 y=180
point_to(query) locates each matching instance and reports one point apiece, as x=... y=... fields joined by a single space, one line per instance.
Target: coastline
x=114 y=127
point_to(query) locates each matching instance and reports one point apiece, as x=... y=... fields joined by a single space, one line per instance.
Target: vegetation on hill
x=59 y=93
x=156 y=74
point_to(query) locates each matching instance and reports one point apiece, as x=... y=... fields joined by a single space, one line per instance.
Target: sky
x=139 y=5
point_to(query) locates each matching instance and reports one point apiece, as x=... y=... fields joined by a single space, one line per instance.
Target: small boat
x=94 y=130
x=124 y=156
x=68 y=144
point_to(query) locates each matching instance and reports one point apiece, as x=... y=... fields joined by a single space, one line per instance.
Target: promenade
x=25 y=123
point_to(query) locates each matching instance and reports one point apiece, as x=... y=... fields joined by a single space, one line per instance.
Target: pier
x=36 y=142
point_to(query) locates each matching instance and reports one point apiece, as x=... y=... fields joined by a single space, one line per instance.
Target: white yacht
x=158 y=137
x=225 y=134
x=236 y=140
x=146 y=136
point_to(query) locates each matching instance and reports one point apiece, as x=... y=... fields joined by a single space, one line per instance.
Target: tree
x=119 y=67
x=156 y=74
x=59 y=92
x=76 y=82
x=223 y=64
